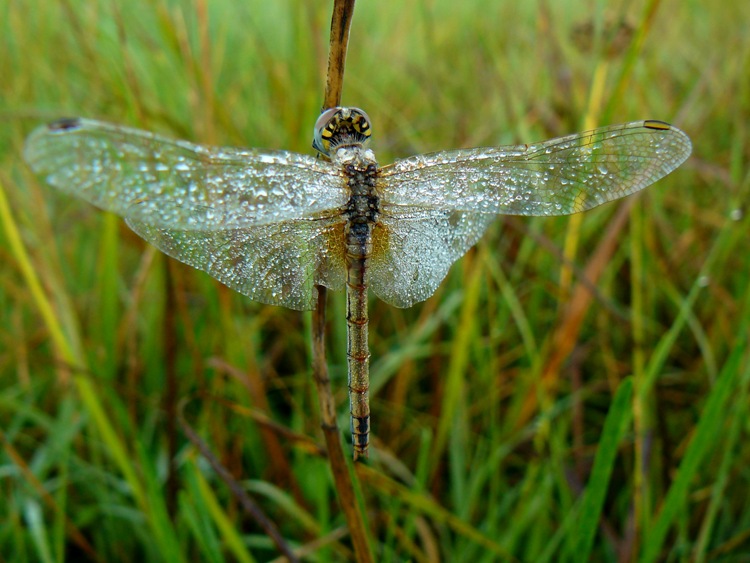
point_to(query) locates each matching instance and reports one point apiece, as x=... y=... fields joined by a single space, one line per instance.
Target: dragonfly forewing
x=176 y=184
x=556 y=177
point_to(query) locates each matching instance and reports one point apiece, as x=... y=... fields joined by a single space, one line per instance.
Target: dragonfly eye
x=338 y=127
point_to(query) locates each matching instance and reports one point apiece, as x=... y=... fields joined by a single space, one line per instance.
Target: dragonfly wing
x=556 y=177
x=180 y=185
x=278 y=263
x=413 y=248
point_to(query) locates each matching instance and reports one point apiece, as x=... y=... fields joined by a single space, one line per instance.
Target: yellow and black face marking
x=338 y=127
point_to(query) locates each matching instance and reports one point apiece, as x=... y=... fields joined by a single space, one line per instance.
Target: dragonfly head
x=337 y=127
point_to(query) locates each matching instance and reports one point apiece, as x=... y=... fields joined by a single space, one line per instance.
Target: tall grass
x=517 y=414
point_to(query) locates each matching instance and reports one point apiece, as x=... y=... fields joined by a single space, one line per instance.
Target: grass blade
x=615 y=425
x=712 y=422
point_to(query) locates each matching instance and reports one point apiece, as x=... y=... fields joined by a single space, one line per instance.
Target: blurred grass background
x=496 y=403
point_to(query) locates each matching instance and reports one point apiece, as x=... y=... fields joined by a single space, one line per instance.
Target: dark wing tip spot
x=656 y=124
x=65 y=124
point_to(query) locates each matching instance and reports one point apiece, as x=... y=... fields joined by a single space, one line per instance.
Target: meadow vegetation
x=577 y=387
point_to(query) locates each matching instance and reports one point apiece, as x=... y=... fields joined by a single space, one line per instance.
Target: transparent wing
x=278 y=263
x=179 y=185
x=556 y=177
x=414 y=248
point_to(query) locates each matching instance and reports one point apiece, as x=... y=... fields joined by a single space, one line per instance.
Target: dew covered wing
x=176 y=184
x=556 y=177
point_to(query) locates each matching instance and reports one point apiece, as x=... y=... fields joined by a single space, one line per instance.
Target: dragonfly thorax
x=360 y=169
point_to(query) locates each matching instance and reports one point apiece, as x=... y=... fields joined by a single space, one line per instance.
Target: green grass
x=517 y=417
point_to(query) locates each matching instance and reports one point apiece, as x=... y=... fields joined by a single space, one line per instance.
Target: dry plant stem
x=238 y=492
x=340 y=23
x=342 y=476
x=320 y=371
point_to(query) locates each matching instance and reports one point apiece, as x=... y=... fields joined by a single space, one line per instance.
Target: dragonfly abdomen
x=358 y=249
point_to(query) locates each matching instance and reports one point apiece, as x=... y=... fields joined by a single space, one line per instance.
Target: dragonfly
x=275 y=225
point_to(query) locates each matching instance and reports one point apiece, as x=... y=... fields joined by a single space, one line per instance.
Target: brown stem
x=340 y=23
x=342 y=476
x=346 y=487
